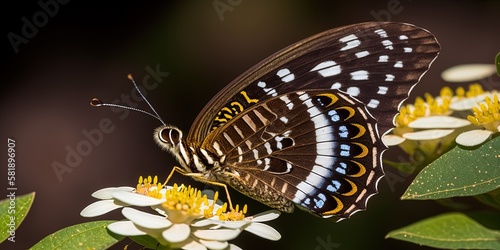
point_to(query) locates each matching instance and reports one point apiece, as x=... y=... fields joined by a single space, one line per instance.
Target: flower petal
x=216 y=245
x=473 y=138
x=101 y=207
x=463 y=104
x=428 y=134
x=392 y=140
x=145 y=220
x=468 y=72
x=126 y=228
x=230 y=224
x=217 y=234
x=437 y=122
x=264 y=231
x=176 y=233
x=234 y=247
x=188 y=244
x=106 y=193
x=203 y=222
x=266 y=216
x=136 y=199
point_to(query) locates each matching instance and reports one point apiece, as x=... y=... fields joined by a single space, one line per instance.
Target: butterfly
x=303 y=127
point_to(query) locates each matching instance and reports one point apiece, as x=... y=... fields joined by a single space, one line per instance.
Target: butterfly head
x=168 y=138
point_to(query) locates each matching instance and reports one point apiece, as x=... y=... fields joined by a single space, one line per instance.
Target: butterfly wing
x=315 y=148
x=324 y=158
x=383 y=59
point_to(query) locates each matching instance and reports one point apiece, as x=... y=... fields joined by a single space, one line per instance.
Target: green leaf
x=459 y=172
x=148 y=242
x=449 y=231
x=89 y=235
x=491 y=198
x=497 y=62
x=13 y=210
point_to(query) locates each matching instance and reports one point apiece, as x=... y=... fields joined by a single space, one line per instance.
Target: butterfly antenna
x=98 y=103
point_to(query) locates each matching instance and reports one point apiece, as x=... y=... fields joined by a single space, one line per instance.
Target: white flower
x=117 y=197
x=468 y=72
x=486 y=115
x=251 y=224
x=473 y=137
x=184 y=218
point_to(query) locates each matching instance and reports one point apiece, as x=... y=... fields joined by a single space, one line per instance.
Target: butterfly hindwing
x=315 y=148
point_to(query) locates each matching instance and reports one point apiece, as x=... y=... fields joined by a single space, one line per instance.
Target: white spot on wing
x=268 y=147
x=403 y=37
x=389 y=77
x=256 y=154
x=351 y=40
x=382 y=90
x=408 y=50
x=362 y=54
x=336 y=85
x=387 y=44
x=373 y=103
x=269 y=91
x=345 y=150
x=286 y=75
x=383 y=58
x=381 y=33
x=398 y=64
x=359 y=75
x=240 y=152
x=217 y=148
x=328 y=68
x=288 y=103
x=353 y=91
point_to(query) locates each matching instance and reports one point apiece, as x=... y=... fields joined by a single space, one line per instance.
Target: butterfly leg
x=199 y=176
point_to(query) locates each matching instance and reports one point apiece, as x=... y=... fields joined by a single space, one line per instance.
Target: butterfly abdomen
x=260 y=190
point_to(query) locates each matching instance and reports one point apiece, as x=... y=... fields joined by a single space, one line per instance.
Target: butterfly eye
x=170 y=135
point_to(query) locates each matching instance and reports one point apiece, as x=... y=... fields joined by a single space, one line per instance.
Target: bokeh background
x=87 y=48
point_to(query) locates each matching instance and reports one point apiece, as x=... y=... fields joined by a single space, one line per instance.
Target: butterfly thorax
x=206 y=166
x=192 y=159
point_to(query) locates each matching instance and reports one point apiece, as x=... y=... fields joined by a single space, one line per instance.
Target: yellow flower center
x=187 y=200
x=233 y=215
x=487 y=114
x=429 y=105
x=474 y=90
x=149 y=187
x=223 y=214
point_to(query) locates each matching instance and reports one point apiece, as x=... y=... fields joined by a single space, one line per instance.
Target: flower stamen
x=149 y=187
x=487 y=114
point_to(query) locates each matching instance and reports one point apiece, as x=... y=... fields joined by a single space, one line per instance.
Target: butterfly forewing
x=303 y=127
x=385 y=60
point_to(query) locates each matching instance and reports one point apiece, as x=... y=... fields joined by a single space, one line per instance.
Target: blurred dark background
x=85 y=49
